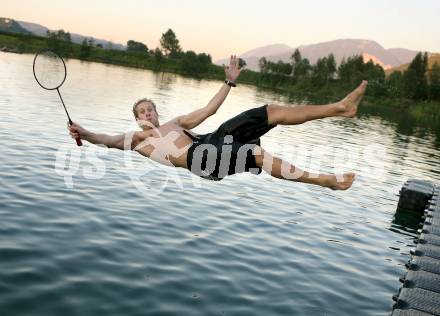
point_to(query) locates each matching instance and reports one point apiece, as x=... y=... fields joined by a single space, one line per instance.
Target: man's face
x=146 y=112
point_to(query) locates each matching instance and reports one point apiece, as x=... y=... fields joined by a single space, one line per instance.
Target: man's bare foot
x=331 y=181
x=348 y=106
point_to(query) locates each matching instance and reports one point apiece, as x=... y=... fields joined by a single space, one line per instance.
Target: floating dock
x=420 y=291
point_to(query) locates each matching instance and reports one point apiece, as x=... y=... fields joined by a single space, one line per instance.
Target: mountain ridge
x=341 y=48
x=41 y=30
x=16 y=26
x=10 y=25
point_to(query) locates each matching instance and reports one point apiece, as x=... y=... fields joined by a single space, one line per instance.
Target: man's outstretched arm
x=195 y=118
x=116 y=141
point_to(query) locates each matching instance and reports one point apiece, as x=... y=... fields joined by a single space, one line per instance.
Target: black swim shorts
x=228 y=150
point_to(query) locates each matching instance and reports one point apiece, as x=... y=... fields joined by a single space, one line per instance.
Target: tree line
x=169 y=56
x=297 y=76
x=415 y=83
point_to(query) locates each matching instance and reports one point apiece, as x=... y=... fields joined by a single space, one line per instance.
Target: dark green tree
x=52 y=42
x=170 y=44
x=284 y=69
x=59 y=35
x=64 y=36
x=136 y=47
x=274 y=73
x=376 y=77
x=331 y=66
x=262 y=64
x=195 y=64
x=59 y=42
x=300 y=66
x=296 y=57
x=158 y=56
x=320 y=72
x=415 y=81
x=434 y=78
x=353 y=70
x=323 y=70
x=394 y=84
x=85 y=49
x=350 y=71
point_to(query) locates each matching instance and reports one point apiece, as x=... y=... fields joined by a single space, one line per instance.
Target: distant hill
x=11 y=26
x=41 y=30
x=341 y=48
x=432 y=59
x=402 y=54
x=34 y=28
x=268 y=50
x=252 y=56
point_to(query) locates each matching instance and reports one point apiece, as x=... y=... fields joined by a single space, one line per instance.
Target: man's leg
x=286 y=115
x=278 y=168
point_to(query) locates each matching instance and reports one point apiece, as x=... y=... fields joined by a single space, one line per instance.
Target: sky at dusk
x=221 y=28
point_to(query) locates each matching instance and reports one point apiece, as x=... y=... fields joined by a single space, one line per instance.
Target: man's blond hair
x=139 y=102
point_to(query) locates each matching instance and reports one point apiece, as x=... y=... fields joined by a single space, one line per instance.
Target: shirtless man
x=235 y=146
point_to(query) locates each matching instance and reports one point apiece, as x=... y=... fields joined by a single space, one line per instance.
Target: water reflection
x=404 y=124
x=250 y=245
x=164 y=80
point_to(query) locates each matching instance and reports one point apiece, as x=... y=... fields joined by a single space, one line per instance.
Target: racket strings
x=49 y=70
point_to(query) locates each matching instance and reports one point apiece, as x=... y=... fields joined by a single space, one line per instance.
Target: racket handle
x=78 y=141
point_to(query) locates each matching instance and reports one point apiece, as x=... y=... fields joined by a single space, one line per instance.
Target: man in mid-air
x=235 y=146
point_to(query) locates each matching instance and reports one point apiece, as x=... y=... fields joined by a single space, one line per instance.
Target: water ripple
x=249 y=245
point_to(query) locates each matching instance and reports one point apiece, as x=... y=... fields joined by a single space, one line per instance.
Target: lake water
x=97 y=232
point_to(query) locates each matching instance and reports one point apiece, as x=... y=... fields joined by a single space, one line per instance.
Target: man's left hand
x=233 y=71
